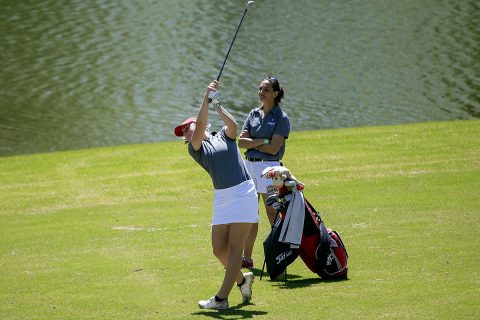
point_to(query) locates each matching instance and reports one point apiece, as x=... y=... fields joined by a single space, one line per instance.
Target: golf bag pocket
x=332 y=257
x=278 y=255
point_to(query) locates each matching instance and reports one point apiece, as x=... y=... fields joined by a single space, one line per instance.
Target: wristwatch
x=266 y=141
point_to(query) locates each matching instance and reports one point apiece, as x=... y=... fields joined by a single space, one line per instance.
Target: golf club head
x=250 y=4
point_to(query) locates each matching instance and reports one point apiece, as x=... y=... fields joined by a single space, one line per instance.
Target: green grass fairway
x=124 y=232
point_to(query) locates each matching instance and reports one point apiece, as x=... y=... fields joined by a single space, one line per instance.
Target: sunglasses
x=270 y=78
x=274 y=82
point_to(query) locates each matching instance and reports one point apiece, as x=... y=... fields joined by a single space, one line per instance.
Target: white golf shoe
x=246 y=288
x=213 y=304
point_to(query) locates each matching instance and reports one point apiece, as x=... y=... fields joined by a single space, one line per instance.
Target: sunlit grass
x=124 y=232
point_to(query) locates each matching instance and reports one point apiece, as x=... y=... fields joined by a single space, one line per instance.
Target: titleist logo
x=282 y=256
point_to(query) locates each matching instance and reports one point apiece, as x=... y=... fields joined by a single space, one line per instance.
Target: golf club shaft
x=231 y=44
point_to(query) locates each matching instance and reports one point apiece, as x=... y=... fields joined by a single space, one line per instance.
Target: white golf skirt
x=235 y=204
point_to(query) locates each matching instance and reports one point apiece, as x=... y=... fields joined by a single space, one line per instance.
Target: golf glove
x=213 y=100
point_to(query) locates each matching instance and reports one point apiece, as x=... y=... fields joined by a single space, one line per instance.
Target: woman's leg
x=250 y=242
x=228 y=242
x=220 y=242
x=252 y=236
x=271 y=212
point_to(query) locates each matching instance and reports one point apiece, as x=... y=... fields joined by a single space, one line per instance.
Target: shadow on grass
x=303 y=282
x=294 y=281
x=235 y=312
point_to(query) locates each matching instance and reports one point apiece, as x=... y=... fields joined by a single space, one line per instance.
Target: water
x=81 y=74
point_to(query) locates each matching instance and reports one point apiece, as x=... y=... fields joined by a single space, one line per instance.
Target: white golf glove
x=213 y=100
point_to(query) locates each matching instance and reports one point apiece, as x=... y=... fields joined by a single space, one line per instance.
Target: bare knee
x=220 y=251
x=236 y=245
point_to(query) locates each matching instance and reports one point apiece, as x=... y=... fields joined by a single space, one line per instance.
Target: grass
x=124 y=232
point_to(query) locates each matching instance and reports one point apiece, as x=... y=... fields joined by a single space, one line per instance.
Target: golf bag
x=321 y=248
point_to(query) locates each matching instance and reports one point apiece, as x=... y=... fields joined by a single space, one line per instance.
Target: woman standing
x=263 y=135
x=235 y=197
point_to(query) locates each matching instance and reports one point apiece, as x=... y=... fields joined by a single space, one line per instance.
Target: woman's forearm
x=249 y=143
x=229 y=121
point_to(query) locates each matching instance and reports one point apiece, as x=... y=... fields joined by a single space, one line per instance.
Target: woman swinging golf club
x=235 y=197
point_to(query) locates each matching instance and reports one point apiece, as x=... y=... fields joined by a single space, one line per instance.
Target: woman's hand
x=212 y=86
x=244 y=134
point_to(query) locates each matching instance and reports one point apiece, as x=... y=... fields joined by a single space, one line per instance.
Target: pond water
x=82 y=74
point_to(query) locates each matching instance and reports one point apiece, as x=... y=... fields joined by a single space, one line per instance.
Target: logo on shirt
x=271 y=122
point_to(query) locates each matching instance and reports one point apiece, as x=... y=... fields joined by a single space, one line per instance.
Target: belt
x=257 y=159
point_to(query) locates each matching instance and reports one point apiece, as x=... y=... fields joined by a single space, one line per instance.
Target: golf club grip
x=231 y=44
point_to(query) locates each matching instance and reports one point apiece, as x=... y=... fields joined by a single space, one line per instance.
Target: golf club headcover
x=281 y=176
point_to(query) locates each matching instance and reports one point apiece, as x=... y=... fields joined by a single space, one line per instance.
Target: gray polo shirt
x=276 y=122
x=220 y=157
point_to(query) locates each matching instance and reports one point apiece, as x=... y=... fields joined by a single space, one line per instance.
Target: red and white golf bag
x=322 y=249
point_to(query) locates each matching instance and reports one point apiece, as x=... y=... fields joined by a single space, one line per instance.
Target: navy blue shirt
x=220 y=157
x=276 y=122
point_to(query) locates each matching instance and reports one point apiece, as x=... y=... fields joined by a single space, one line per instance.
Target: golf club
x=249 y=4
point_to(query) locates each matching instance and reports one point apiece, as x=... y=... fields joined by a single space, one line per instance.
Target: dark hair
x=276 y=87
